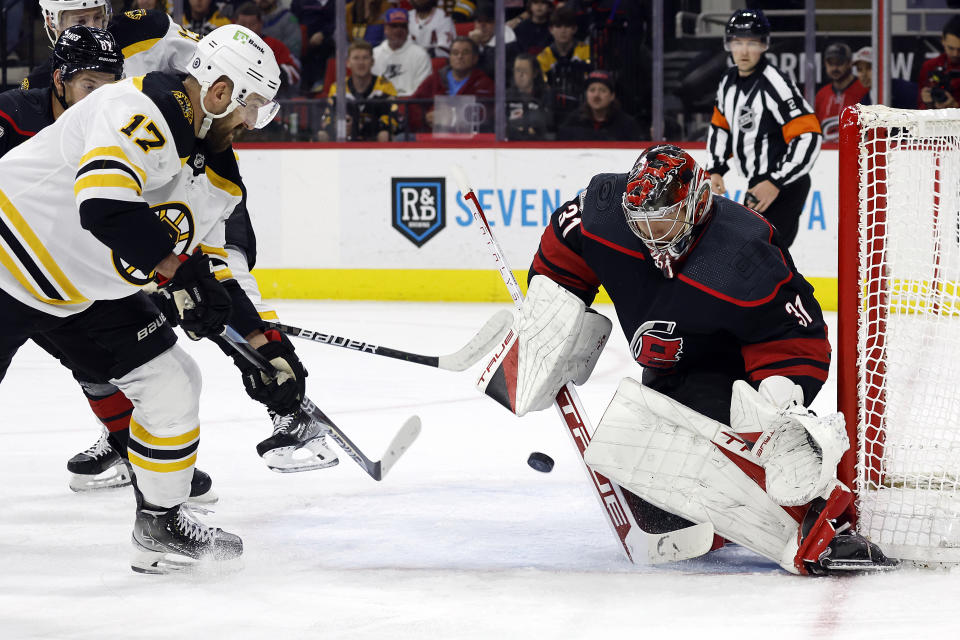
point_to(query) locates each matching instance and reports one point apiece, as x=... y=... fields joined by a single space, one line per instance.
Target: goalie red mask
x=667 y=203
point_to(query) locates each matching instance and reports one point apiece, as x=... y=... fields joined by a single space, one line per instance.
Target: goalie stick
x=376 y=469
x=637 y=544
x=468 y=355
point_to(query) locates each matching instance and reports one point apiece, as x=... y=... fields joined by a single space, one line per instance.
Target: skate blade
x=116 y=476
x=309 y=457
x=158 y=563
x=859 y=566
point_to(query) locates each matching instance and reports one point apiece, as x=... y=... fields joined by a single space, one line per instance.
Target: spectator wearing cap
x=398 y=58
x=483 y=35
x=939 y=78
x=533 y=34
x=460 y=77
x=566 y=62
x=600 y=116
x=431 y=28
x=843 y=90
x=903 y=93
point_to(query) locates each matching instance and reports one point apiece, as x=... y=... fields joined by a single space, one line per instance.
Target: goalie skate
x=98 y=467
x=297 y=444
x=172 y=540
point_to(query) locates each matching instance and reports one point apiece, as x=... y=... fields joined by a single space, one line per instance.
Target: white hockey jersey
x=152 y=41
x=116 y=165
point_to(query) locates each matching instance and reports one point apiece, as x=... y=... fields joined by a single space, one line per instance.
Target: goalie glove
x=554 y=340
x=798 y=450
x=194 y=299
x=281 y=394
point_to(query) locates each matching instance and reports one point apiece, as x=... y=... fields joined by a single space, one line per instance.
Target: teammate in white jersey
x=73 y=261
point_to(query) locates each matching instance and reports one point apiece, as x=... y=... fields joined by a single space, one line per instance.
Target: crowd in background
x=575 y=69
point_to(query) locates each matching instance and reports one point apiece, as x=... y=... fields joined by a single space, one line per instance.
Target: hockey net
x=899 y=360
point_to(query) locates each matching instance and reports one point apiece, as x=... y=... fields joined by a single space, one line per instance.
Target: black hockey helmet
x=747 y=23
x=81 y=48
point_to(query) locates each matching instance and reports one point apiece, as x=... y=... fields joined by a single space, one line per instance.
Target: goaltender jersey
x=737 y=306
x=130 y=153
x=150 y=41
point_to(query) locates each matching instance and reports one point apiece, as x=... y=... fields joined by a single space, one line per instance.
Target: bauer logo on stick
x=419 y=211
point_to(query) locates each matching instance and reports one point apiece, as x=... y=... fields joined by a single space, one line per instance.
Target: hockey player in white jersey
x=72 y=263
x=152 y=41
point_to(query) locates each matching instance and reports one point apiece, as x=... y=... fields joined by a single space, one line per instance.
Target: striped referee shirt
x=765 y=125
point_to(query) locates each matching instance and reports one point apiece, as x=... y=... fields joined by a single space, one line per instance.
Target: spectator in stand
x=365 y=20
x=147 y=5
x=318 y=17
x=483 y=35
x=398 y=58
x=529 y=116
x=248 y=15
x=202 y=17
x=533 y=33
x=431 y=28
x=460 y=78
x=565 y=63
x=939 y=78
x=843 y=90
x=459 y=10
x=371 y=101
x=280 y=23
x=903 y=93
x=600 y=116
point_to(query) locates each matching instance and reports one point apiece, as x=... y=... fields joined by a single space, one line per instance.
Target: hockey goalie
x=733 y=348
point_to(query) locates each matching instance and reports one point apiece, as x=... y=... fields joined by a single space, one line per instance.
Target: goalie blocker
x=709 y=472
x=554 y=339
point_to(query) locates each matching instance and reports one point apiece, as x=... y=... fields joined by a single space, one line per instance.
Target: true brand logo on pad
x=418 y=207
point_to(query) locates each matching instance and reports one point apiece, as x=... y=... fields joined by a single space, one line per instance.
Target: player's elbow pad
x=554 y=340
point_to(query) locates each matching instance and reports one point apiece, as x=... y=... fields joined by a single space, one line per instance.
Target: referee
x=763 y=123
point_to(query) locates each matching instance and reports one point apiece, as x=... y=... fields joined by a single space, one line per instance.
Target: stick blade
x=480 y=345
x=401 y=442
x=682 y=544
x=461 y=178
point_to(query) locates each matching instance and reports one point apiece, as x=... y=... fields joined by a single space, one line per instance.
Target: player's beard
x=221 y=134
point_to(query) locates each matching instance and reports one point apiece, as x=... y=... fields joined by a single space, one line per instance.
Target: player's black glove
x=194 y=299
x=283 y=394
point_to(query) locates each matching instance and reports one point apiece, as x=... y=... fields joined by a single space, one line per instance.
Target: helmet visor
x=257 y=111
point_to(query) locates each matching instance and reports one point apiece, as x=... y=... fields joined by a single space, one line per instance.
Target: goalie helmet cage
x=899 y=326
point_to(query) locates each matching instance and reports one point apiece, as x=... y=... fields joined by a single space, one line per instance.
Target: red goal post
x=899 y=326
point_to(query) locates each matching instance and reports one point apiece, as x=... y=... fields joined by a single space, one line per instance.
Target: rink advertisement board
x=389 y=222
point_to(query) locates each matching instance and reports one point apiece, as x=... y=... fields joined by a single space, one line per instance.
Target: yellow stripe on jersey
x=210 y=250
x=161 y=467
x=141 y=434
x=223 y=274
x=138 y=80
x=100 y=181
x=117 y=154
x=269 y=315
x=222 y=183
x=46 y=260
x=139 y=47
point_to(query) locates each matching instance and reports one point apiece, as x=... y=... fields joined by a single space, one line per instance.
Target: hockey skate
x=849 y=553
x=297 y=444
x=171 y=540
x=99 y=467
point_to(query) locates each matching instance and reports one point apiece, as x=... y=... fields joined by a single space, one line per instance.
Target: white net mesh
x=908 y=471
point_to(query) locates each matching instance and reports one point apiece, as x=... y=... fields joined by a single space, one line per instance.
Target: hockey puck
x=540 y=462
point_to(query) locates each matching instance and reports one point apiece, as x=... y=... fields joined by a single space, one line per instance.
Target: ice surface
x=461 y=540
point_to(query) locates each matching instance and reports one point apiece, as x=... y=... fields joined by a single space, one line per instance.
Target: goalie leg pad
x=553 y=341
x=798 y=450
x=663 y=452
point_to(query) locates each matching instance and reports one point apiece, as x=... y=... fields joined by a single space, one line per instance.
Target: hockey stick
x=461 y=360
x=376 y=469
x=637 y=544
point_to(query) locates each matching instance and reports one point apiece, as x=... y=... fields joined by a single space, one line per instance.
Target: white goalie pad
x=798 y=450
x=554 y=340
x=665 y=453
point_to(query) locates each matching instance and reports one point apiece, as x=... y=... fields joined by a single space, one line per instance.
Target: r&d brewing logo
x=418 y=207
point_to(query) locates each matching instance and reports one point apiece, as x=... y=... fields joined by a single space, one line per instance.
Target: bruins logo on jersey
x=136 y=14
x=179 y=221
x=184 y=103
